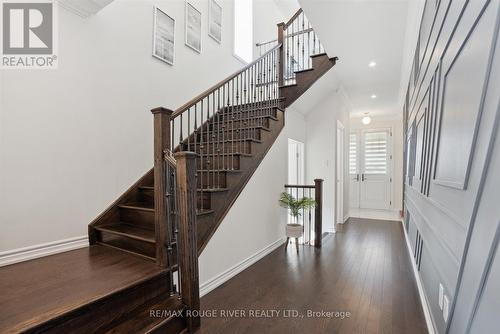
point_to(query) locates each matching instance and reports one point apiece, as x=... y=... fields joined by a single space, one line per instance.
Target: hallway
x=364 y=270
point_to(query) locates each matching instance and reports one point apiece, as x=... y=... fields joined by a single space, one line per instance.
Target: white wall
x=321 y=125
x=73 y=139
x=255 y=221
x=395 y=123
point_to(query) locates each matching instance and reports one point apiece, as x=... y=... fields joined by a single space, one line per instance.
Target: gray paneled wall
x=451 y=113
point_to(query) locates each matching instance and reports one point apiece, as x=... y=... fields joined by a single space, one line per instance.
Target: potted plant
x=295 y=206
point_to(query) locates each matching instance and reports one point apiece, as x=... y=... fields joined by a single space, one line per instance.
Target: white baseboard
x=33 y=252
x=223 y=277
x=423 y=299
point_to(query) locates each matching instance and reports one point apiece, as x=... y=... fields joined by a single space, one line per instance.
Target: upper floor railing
x=300 y=42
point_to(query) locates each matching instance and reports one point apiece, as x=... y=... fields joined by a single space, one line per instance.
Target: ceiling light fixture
x=373 y=96
x=372 y=64
x=366 y=120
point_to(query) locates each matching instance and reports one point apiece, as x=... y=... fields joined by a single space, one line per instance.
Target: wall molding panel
x=447 y=132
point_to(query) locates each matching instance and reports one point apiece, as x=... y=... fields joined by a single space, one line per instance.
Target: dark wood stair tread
x=285 y=86
x=319 y=55
x=219 y=170
x=123 y=247
x=304 y=70
x=143 y=206
x=212 y=190
x=204 y=212
x=198 y=143
x=130 y=231
x=225 y=153
x=246 y=119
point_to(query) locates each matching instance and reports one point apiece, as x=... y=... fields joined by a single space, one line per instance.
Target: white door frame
x=300 y=177
x=339 y=173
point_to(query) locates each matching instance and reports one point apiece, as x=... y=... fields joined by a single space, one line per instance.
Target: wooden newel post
x=161 y=126
x=318 y=212
x=188 y=251
x=281 y=64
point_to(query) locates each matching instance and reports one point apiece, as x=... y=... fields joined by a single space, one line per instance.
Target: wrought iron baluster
x=219 y=137
x=203 y=167
x=213 y=143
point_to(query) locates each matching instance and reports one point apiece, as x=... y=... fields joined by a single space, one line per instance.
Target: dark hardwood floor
x=365 y=269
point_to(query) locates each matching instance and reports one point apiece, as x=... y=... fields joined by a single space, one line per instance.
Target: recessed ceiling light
x=372 y=64
x=366 y=120
x=373 y=96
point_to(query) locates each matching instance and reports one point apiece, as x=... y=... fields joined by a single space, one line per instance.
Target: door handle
x=357 y=177
x=363 y=177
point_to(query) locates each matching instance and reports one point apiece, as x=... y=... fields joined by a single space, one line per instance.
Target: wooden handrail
x=201 y=96
x=293 y=17
x=265 y=43
x=305 y=31
x=300 y=186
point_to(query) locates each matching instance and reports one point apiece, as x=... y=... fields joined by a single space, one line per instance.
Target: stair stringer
x=261 y=150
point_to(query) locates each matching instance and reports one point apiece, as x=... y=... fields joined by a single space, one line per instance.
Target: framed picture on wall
x=163 y=36
x=193 y=27
x=215 y=21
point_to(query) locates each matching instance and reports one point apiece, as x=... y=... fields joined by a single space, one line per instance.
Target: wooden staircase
x=230 y=133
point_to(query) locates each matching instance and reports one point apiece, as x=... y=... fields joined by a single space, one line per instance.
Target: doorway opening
x=370 y=169
x=296 y=176
x=339 y=177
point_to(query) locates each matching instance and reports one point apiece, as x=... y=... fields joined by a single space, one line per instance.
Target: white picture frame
x=163 y=36
x=215 y=21
x=192 y=27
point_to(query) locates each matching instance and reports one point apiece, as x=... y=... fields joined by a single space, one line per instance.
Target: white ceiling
x=358 y=32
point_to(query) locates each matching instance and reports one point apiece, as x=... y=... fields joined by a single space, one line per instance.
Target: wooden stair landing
x=62 y=291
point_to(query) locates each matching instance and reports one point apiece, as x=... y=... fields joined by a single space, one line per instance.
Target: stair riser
x=224 y=133
x=126 y=243
x=136 y=217
x=246 y=116
x=222 y=148
x=219 y=162
x=146 y=196
x=263 y=121
x=99 y=316
x=212 y=180
x=252 y=109
x=319 y=61
x=203 y=201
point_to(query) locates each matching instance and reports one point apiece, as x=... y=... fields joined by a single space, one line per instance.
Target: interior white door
x=375 y=186
x=340 y=174
x=295 y=162
x=354 y=178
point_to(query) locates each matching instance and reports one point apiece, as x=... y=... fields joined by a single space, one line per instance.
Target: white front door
x=370 y=169
x=375 y=183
